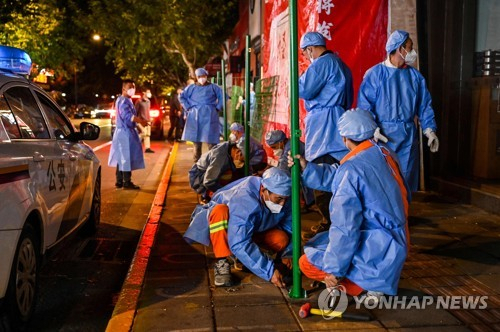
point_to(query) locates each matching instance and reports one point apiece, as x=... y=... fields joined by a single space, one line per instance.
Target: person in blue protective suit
x=326 y=88
x=258 y=157
x=126 y=148
x=244 y=217
x=281 y=146
x=397 y=95
x=217 y=167
x=366 y=246
x=202 y=102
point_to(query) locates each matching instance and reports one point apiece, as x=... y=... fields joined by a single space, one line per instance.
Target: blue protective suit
x=247 y=215
x=214 y=166
x=395 y=97
x=126 y=148
x=326 y=88
x=201 y=104
x=367 y=239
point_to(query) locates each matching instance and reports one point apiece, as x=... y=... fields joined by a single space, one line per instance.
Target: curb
x=125 y=309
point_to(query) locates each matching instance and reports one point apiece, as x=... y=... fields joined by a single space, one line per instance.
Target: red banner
x=356 y=30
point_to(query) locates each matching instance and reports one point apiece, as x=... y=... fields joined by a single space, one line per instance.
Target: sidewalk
x=454 y=252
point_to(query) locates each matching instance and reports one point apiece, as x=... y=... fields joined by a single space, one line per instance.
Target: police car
x=49 y=182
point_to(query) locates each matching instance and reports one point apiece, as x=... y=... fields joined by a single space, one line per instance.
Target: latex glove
x=433 y=142
x=377 y=136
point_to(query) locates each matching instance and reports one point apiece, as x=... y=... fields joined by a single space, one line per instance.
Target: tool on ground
x=306 y=310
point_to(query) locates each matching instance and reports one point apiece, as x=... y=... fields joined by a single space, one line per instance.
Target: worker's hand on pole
x=302 y=161
x=277 y=279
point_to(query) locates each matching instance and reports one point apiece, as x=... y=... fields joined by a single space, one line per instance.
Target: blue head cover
x=275 y=136
x=277 y=181
x=312 y=39
x=357 y=124
x=396 y=39
x=200 y=72
x=237 y=127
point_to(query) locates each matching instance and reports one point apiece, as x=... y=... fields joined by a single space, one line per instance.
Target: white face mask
x=149 y=95
x=278 y=152
x=273 y=207
x=131 y=92
x=410 y=57
x=311 y=57
x=232 y=137
x=202 y=80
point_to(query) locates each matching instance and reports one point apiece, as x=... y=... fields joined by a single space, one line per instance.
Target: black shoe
x=130 y=185
x=149 y=151
x=118 y=185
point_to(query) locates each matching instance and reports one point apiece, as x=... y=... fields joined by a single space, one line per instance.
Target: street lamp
x=96 y=37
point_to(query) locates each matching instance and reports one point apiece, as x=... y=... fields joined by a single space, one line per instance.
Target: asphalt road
x=81 y=278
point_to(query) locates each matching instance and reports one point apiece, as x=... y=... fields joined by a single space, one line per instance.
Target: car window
x=56 y=120
x=8 y=121
x=27 y=114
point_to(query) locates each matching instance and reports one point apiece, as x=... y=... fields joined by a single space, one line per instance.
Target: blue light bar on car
x=15 y=60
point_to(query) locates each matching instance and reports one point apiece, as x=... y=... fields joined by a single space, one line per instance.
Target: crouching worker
x=257 y=156
x=217 y=167
x=366 y=245
x=244 y=217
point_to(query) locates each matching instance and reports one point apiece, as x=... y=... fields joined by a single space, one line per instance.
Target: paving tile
x=430 y=316
x=194 y=313
x=248 y=294
x=269 y=317
x=482 y=328
x=458 y=328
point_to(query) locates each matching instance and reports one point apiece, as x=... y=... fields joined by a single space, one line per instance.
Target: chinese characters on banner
x=355 y=30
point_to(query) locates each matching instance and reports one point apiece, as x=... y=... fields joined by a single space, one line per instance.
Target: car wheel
x=95 y=211
x=23 y=282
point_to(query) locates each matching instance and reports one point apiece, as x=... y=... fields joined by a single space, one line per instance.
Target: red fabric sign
x=356 y=30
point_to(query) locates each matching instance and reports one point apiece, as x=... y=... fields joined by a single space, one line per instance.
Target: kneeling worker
x=366 y=245
x=216 y=168
x=243 y=217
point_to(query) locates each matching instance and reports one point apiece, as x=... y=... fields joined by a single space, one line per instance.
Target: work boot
x=130 y=185
x=222 y=273
x=148 y=150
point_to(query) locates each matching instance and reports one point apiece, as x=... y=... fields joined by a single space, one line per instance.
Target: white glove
x=377 y=136
x=433 y=142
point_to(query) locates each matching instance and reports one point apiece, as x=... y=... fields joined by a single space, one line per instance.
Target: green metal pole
x=218 y=78
x=212 y=80
x=223 y=74
x=296 y=291
x=247 y=106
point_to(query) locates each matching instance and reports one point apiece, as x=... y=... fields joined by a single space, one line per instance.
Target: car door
x=82 y=166
x=50 y=168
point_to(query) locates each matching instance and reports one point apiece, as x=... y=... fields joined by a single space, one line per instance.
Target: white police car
x=49 y=182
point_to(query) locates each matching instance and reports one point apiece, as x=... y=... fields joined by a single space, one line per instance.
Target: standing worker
x=396 y=94
x=142 y=106
x=326 y=88
x=126 y=150
x=175 y=115
x=202 y=101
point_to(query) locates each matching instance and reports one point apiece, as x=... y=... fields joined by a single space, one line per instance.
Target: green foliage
x=163 y=41
x=48 y=33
